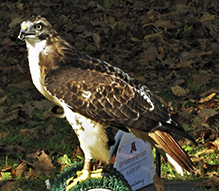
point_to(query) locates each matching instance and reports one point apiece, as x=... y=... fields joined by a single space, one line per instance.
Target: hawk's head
x=35 y=29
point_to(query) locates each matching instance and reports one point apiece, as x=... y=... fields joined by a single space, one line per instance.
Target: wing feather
x=116 y=97
x=99 y=91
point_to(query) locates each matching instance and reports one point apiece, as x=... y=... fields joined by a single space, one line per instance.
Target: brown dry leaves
x=173 y=47
x=202 y=118
x=42 y=165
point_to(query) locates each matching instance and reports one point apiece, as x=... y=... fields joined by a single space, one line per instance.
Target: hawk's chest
x=36 y=69
x=34 y=50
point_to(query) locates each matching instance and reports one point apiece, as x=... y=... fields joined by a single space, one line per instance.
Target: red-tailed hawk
x=95 y=95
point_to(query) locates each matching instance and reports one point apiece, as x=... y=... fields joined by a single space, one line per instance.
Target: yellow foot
x=82 y=176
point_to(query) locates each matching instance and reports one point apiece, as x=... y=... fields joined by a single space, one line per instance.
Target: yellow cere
x=24 y=27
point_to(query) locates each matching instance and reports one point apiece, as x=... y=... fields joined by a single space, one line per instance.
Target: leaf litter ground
x=172 y=47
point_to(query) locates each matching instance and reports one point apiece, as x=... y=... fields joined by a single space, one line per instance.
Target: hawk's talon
x=82 y=176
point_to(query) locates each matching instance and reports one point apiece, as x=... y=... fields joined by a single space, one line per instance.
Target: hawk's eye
x=38 y=26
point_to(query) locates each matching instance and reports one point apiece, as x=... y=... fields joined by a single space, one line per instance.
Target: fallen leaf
x=8 y=170
x=204 y=151
x=200 y=166
x=110 y=20
x=96 y=39
x=23 y=85
x=211 y=167
x=25 y=133
x=216 y=143
x=153 y=36
x=4 y=134
x=159 y=183
x=31 y=174
x=20 y=6
x=211 y=182
x=150 y=54
x=207 y=134
x=184 y=114
x=3 y=99
x=186 y=64
x=161 y=53
x=134 y=39
x=15 y=21
x=212 y=90
x=21 y=169
x=78 y=152
x=179 y=91
x=79 y=29
x=210 y=97
x=6 y=117
x=165 y=24
x=206 y=17
x=205 y=113
x=43 y=104
x=210 y=145
x=201 y=79
x=10 y=186
x=143 y=19
x=213 y=120
x=43 y=163
x=49 y=129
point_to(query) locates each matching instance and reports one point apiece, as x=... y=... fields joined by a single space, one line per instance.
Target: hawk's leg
x=83 y=175
x=93 y=141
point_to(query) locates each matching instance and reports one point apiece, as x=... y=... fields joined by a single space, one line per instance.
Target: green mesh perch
x=112 y=180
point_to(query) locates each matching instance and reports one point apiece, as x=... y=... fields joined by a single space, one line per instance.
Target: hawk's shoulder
x=100 y=91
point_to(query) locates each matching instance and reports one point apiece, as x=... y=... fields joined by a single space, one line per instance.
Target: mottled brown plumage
x=94 y=94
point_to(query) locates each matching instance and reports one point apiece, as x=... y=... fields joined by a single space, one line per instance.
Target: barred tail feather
x=173 y=149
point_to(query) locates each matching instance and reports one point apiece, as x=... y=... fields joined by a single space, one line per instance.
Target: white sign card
x=134 y=160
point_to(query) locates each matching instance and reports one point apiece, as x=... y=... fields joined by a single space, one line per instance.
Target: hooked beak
x=24 y=33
